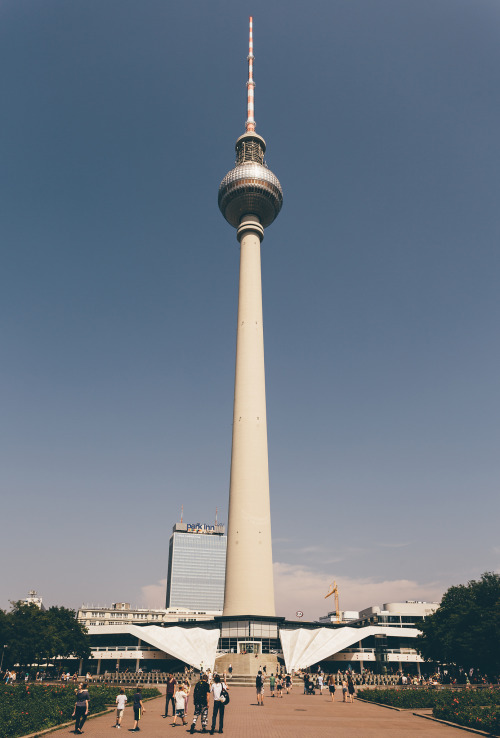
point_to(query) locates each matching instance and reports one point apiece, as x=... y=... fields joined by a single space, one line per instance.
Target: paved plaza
x=294 y=716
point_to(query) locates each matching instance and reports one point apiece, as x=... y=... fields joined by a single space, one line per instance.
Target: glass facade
x=196 y=571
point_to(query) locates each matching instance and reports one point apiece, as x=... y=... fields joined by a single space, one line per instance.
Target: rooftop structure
x=123 y=613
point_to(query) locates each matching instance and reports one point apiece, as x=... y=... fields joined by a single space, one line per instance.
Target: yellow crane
x=334 y=590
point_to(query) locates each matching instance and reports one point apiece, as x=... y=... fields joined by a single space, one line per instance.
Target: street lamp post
x=3 y=651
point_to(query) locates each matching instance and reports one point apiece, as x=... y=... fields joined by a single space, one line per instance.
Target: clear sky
x=118 y=291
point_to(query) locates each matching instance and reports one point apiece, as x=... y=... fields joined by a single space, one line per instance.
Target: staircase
x=246 y=664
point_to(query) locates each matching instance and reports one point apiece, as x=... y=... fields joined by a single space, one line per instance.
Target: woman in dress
x=331 y=687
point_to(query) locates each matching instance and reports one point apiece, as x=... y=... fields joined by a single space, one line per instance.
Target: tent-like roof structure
x=194 y=646
x=303 y=647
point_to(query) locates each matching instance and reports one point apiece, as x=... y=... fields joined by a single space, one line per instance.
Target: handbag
x=224 y=697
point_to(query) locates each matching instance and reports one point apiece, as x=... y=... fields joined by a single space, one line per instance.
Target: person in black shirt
x=138 y=708
x=169 y=697
x=201 y=697
x=81 y=707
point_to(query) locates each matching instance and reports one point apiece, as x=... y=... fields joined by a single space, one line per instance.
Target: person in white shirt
x=121 y=701
x=218 y=708
x=180 y=698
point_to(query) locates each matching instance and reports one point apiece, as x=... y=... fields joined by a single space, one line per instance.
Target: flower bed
x=481 y=718
x=29 y=708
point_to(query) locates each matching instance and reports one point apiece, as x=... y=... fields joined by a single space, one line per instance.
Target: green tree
x=465 y=629
x=25 y=634
x=68 y=637
x=35 y=636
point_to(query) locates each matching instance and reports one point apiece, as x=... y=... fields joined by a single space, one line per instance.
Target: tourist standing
x=81 y=709
x=201 y=697
x=230 y=671
x=218 y=708
x=170 y=695
x=259 y=686
x=344 y=690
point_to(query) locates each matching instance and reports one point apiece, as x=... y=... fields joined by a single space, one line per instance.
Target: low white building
x=122 y=612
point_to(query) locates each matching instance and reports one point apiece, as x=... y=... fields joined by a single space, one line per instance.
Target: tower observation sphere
x=250 y=188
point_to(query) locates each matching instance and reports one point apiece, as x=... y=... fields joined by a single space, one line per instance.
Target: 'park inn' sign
x=200 y=528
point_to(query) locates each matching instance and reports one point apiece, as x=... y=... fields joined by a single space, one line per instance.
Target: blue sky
x=118 y=291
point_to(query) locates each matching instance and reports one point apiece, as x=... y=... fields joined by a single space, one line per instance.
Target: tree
x=68 y=636
x=465 y=629
x=34 y=636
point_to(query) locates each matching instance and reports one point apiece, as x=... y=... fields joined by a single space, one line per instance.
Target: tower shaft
x=249 y=586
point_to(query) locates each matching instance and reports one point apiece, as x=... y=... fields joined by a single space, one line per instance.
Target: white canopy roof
x=194 y=646
x=303 y=647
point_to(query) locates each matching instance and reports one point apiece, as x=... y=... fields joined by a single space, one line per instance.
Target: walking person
x=344 y=690
x=218 y=708
x=81 y=709
x=331 y=686
x=121 y=701
x=230 y=671
x=320 y=683
x=201 y=697
x=279 y=686
x=169 y=697
x=180 y=705
x=288 y=682
x=350 y=688
x=138 y=708
x=272 y=683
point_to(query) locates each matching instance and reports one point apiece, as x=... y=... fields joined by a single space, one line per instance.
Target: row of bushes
x=418 y=698
x=29 y=708
x=404 y=698
x=472 y=708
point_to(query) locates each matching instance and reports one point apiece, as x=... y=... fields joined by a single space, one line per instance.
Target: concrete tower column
x=249 y=569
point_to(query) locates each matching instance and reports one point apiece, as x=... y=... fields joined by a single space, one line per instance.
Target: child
x=138 y=708
x=180 y=705
x=121 y=701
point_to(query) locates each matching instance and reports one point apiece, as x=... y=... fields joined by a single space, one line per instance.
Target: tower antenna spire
x=250 y=124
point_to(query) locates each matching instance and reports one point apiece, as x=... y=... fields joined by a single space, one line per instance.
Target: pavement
x=294 y=716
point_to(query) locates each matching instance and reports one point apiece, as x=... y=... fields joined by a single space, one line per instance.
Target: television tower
x=250 y=198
